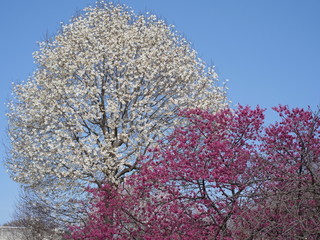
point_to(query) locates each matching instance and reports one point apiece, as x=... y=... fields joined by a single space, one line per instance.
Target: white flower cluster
x=107 y=87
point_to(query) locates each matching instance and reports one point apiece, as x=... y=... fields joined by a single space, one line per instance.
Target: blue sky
x=269 y=50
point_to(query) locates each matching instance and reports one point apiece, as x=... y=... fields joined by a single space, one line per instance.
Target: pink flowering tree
x=288 y=206
x=221 y=176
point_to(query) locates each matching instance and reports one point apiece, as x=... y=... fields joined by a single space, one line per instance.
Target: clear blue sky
x=269 y=50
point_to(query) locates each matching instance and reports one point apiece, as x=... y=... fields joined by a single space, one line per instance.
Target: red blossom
x=220 y=176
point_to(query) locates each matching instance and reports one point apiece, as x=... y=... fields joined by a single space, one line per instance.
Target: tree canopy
x=106 y=88
x=223 y=176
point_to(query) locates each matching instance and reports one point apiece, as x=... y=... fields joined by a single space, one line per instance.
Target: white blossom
x=106 y=88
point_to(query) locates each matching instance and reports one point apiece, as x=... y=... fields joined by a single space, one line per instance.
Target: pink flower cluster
x=220 y=176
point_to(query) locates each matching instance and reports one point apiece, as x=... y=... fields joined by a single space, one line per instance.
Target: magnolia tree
x=106 y=88
x=222 y=176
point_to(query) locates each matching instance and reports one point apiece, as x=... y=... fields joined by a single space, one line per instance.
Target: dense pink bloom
x=220 y=176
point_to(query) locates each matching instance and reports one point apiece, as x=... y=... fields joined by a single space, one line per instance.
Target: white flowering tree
x=106 y=88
